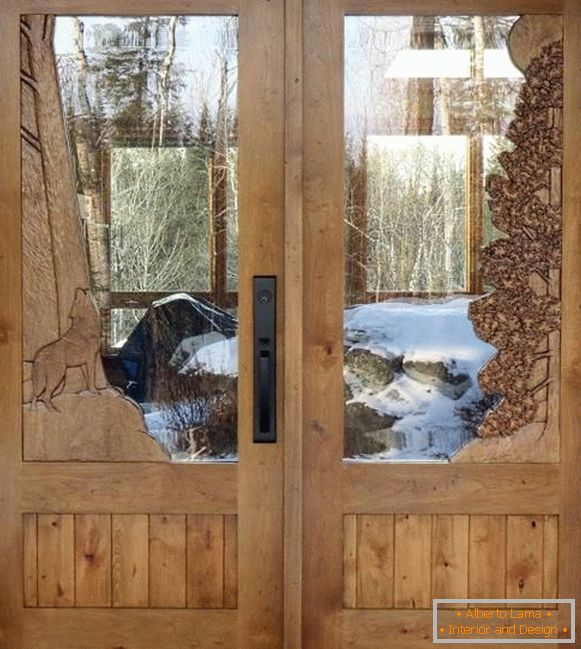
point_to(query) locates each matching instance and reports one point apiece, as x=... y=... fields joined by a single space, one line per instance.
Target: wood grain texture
x=293 y=328
x=205 y=561
x=130 y=488
x=261 y=238
x=521 y=312
x=466 y=556
x=450 y=556
x=11 y=554
x=524 y=557
x=230 y=561
x=106 y=425
x=453 y=7
x=400 y=629
x=130 y=560
x=529 y=34
x=130 y=7
x=413 y=554
x=30 y=560
x=508 y=489
x=92 y=560
x=146 y=629
x=56 y=560
x=350 y=561
x=487 y=557
x=550 y=557
x=375 y=561
x=167 y=561
x=570 y=499
x=323 y=323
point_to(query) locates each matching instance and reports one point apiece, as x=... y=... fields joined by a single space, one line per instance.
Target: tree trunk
x=163 y=85
x=86 y=138
x=63 y=214
x=420 y=92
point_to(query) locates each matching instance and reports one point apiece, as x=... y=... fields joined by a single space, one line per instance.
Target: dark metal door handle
x=264 y=359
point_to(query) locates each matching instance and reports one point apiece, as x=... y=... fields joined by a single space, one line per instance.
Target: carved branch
x=31 y=139
x=31 y=82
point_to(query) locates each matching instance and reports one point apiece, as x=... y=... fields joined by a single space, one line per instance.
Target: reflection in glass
x=427 y=100
x=150 y=106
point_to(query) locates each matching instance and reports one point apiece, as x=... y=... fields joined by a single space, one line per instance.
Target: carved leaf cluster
x=515 y=317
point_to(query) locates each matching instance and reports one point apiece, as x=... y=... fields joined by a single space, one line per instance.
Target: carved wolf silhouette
x=78 y=347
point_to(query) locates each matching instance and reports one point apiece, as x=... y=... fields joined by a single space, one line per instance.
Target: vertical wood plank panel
x=487 y=557
x=375 y=556
x=413 y=555
x=524 y=560
x=30 y=560
x=130 y=560
x=450 y=556
x=56 y=552
x=230 y=561
x=350 y=561
x=550 y=557
x=167 y=561
x=205 y=579
x=93 y=560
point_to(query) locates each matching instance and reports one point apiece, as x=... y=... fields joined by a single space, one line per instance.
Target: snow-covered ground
x=430 y=424
x=417 y=330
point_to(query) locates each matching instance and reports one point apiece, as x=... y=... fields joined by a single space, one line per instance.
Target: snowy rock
x=190 y=346
x=373 y=371
x=148 y=357
x=437 y=373
x=368 y=432
x=347 y=392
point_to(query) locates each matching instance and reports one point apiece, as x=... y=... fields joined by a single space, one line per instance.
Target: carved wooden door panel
x=439 y=395
x=151 y=195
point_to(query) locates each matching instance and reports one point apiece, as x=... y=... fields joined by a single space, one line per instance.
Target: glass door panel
x=151 y=109
x=428 y=100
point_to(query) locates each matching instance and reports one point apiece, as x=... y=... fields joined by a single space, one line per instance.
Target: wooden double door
x=109 y=543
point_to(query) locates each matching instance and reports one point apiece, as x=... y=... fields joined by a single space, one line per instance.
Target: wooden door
x=500 y=516
x=108 y=540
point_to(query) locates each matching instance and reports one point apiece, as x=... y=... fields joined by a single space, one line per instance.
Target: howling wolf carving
x=78 y=347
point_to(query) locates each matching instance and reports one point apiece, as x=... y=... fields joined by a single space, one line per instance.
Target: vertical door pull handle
x=264 y=359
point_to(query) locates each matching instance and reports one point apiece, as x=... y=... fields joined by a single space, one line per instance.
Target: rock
x=147 y=355
x=368 y=431
x=375 y=372
x=354 y=336
x=188 y=347
x=347 y=392
x=437 y=374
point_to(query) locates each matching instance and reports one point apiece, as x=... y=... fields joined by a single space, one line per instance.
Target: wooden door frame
x=254 y=488
x=369 y=488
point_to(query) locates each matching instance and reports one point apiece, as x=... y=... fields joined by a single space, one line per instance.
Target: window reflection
x=150 y=106
x=427 y=100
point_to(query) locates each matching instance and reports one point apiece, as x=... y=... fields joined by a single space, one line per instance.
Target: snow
x=435 y=331
x=219 y=357
x=186 y=351
x=438 y=330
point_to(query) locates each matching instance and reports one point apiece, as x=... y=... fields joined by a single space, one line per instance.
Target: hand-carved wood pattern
x=522 y=312
x=70 y=412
